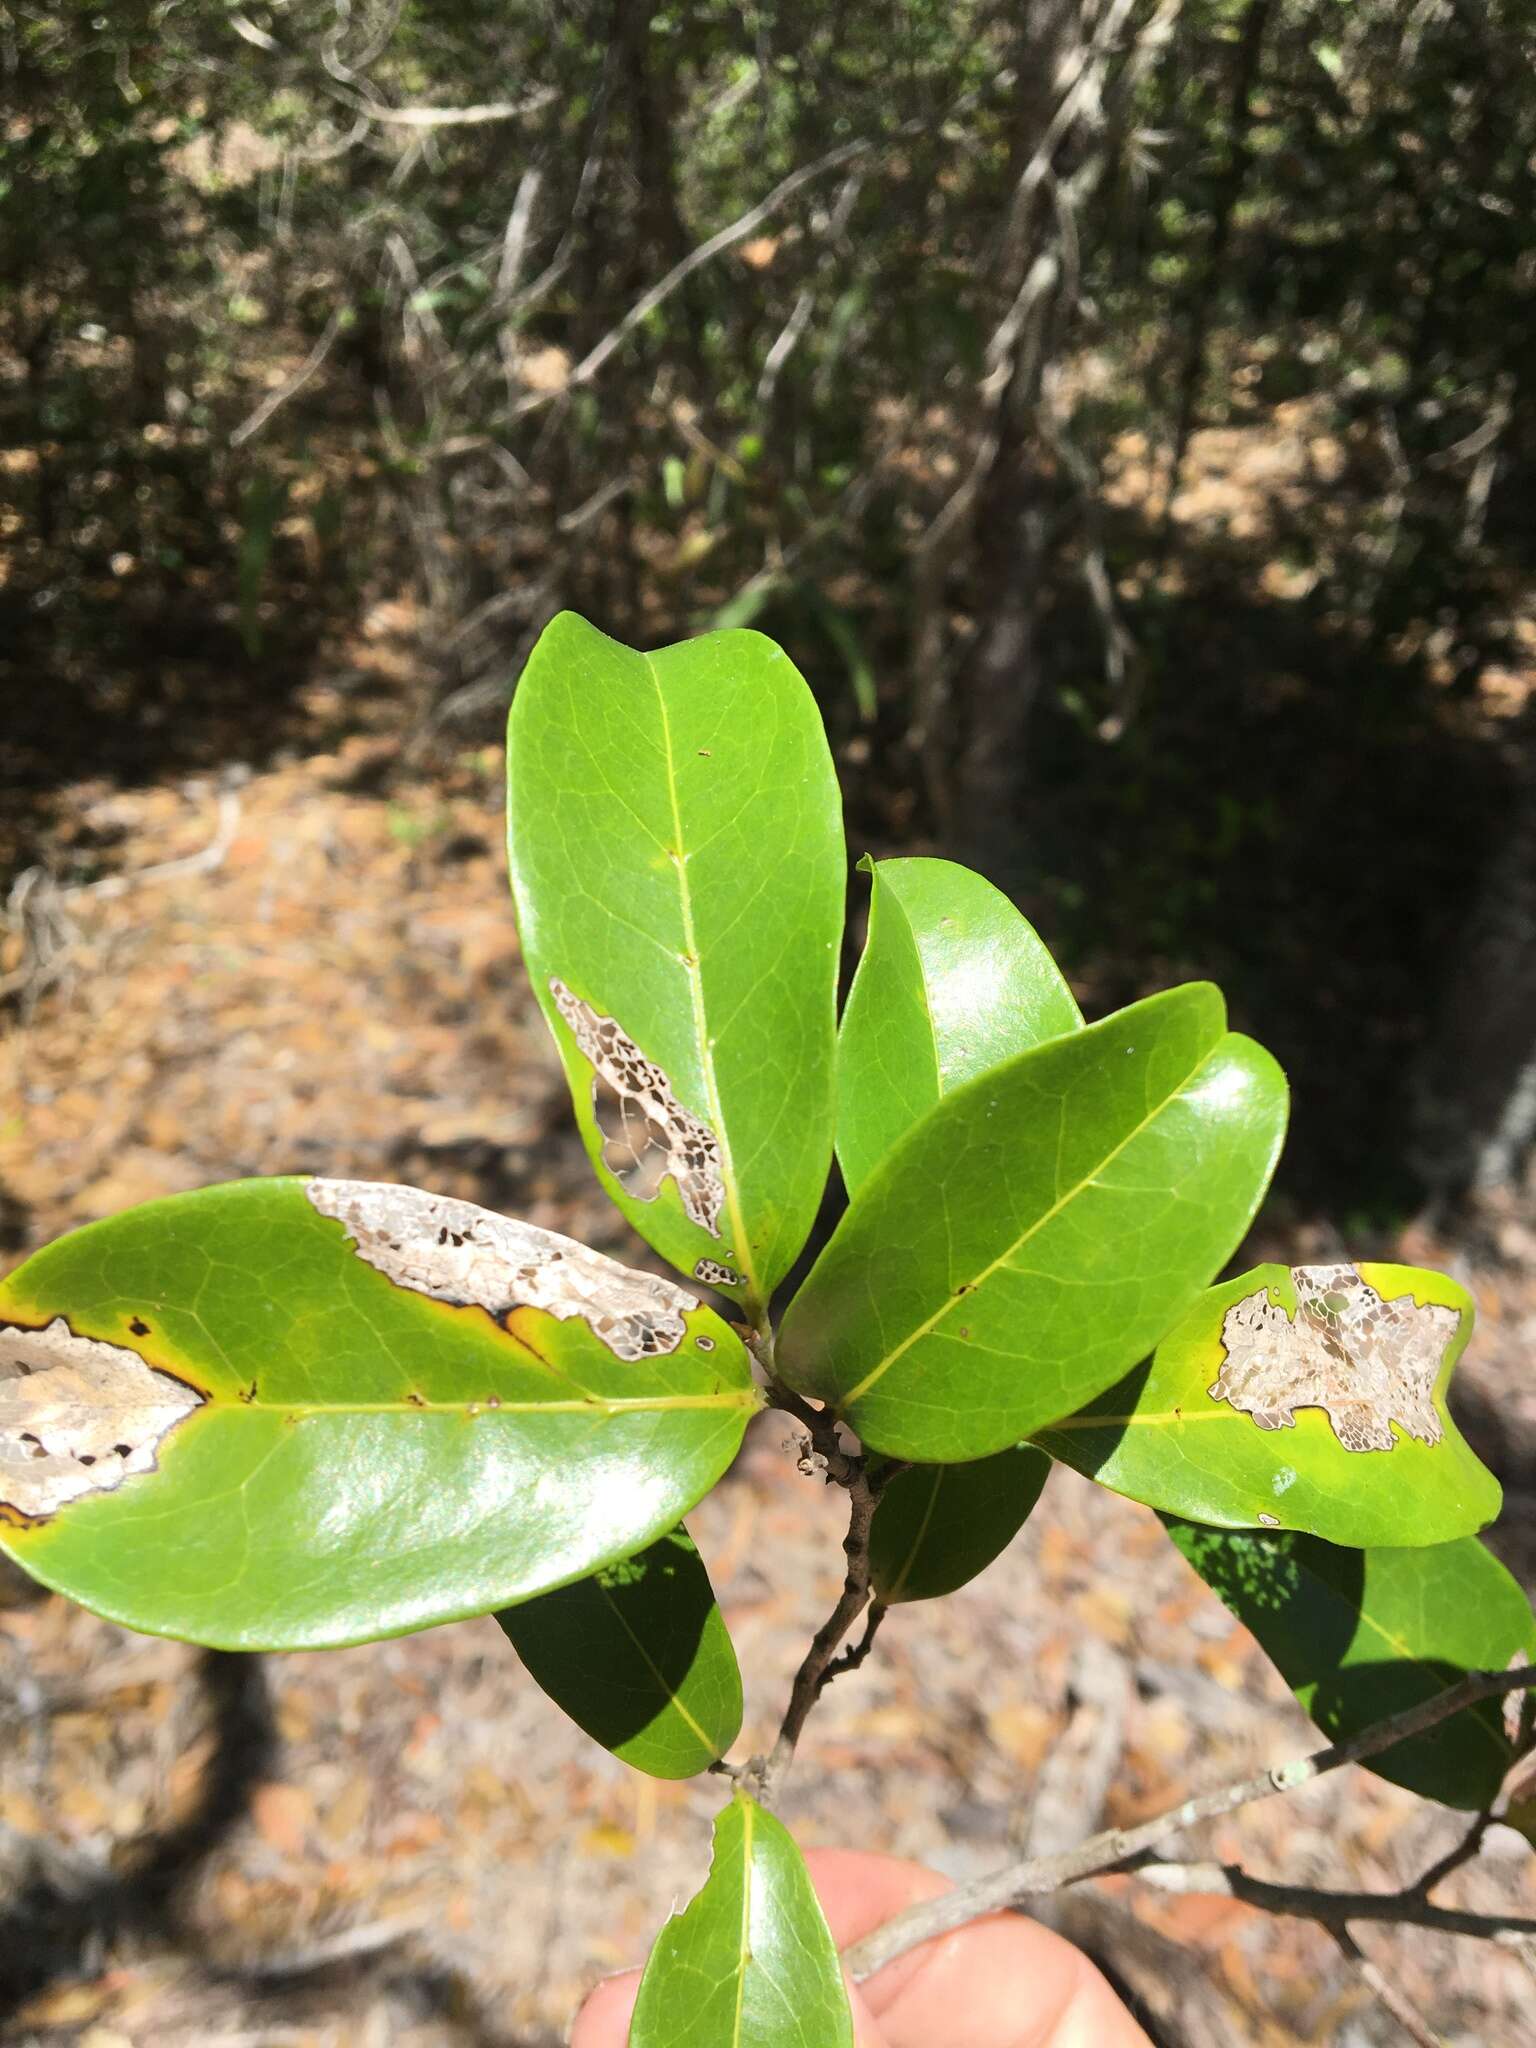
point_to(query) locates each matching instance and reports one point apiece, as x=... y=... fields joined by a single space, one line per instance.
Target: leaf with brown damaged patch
x=1307 y=1398
x=648 y=1136
x=676 y=858
x=456 y=1251
x=406 y=1410
x=77 y=1416
x=1367 y=1363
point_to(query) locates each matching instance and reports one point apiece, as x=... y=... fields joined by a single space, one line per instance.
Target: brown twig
x=1333 y=1910
x=1113 y=1848
x=816 y=1665
x=854 y=1655
x=821 y=1663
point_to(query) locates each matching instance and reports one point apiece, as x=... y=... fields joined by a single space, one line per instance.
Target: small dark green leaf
x=952 y=982
x=1359 y=1635
x=677 y=861
x=1038 y=1231
x=638 y=1655
x=750 y=1961
x=1310 y=1398
x=937 y=1526
x=289 y=1414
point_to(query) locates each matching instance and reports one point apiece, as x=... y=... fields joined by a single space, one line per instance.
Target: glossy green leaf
x=952 y=982
x=677 y=862
x=1038 y=1231
x=1310 y=1399
x=1362 y=1634
x=750 y=1961
x=638 y=1655
x=222 y=1418
x=937 y=1526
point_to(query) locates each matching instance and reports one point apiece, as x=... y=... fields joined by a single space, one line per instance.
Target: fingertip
x=603 y=2021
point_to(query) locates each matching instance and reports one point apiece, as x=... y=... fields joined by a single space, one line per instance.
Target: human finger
x=998 y=1982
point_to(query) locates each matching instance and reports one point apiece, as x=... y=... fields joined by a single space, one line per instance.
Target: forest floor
x=407 y=1843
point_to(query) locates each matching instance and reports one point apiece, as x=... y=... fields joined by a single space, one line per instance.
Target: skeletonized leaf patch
x=1256 y=1408
x=458 y=1252
x=77 y=1416
x=1367 y=1362
x=648 y=1136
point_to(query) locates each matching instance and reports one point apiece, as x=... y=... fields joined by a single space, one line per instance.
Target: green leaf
x=1362 y=1634
x=951 y=983
x=1038 y=1231
x=1310 y=1398
x=289 y=1414
x=937 y=1526
x=677 y=861
x=750 y=1961
x=638 y=1655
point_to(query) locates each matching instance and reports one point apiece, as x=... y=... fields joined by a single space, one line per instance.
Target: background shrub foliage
x=892 y=330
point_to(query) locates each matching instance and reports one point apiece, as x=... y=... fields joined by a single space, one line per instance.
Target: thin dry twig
x=1330 y=1909
x=291 y=386
x=854 y=1655
x=1114 y=1848
x=683 y=269
x=203 y=862
x=426 y=118
x=1396 y=2001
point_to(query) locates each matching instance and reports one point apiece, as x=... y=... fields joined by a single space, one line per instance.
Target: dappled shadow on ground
x=153 y=686
x=1293 y=814
x=59 y=1916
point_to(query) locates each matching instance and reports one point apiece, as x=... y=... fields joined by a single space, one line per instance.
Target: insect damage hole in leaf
x=648 y=1136
x=714 y=1274
x=1365 y=1361
x=78 y=1416
x=458 y=1252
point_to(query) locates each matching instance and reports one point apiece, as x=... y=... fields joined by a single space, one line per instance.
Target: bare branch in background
x=248 y=32
x=514 y=240
x=444 y=117
x=680 y=272
x=1406 y=1908
x=291 y=386
x=1117 y=1848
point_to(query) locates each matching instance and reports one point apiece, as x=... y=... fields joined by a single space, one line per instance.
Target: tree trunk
x=1476 y=1094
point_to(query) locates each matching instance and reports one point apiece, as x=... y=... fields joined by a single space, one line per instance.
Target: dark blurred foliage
x=890 y=329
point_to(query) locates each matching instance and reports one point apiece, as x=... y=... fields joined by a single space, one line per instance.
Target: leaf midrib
x=744 y=1937
x=663 y=1686
x=730 y=1397
x=968 y=1288
x=741 y=1244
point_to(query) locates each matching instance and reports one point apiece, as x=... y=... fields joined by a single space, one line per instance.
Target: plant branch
x=684 y=268
x=1330 y=1909
x=1113 y=1848
x=816 y=1665
x=821 y=1663
x=291 y=386
x=854 y=1655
